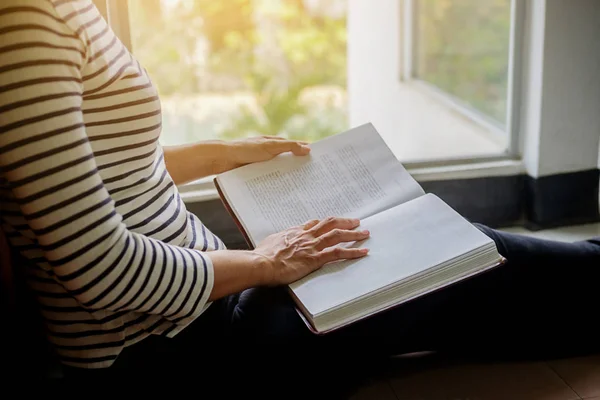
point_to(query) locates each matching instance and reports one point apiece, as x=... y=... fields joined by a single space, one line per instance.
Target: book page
x=353 y=174
x=405 y=240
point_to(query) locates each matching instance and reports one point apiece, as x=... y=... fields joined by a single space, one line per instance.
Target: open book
x=418 y=243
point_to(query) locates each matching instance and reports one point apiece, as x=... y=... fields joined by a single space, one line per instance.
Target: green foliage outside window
x=462 y=48
x=234 y=68
x=290 y=59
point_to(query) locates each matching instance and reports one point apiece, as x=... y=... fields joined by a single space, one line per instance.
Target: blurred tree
x=280 y=50
x=165 y=39
x=229 y=29
x=223 y=19
x=190 y=46
x=462 y=47
x=282 y=112
x=311 y=52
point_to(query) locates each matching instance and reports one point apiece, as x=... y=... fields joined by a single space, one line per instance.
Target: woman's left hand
x=262 y=148
x=188 y=162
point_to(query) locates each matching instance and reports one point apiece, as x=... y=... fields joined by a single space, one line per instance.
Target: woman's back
x=83 y=184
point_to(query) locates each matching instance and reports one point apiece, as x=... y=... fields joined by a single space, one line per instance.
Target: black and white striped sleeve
x=46 y=157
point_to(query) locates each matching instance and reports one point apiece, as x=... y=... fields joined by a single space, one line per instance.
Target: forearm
x=236 y=270
x=189 y=162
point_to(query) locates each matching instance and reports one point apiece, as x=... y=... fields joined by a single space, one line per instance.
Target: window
x=436 y=77
x=235 y=68
x=462 y=47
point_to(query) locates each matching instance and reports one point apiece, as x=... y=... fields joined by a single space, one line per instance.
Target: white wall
x=532 y=84
x=563 y=132
x=373 y=62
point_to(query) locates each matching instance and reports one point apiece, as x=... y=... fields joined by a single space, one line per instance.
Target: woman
x=125 y=276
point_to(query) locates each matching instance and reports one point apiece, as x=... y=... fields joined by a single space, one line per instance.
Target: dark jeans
x=540 y=304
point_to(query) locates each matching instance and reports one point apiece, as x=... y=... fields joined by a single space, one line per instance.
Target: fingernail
x=364 y=250
x=366 y=232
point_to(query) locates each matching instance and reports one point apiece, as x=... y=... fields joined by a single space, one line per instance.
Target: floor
x=567 y=379
x=420 y=378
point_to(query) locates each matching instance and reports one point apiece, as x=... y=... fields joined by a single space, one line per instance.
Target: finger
x=338 y=236
x=282 y=138
x=331 y=223
x=301 y=150
x=310 y=224
x=295 y=147
x=340 y=253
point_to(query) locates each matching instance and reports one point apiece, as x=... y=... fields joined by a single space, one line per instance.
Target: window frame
x=503 y=164
x=408 y=43
x=118 y=19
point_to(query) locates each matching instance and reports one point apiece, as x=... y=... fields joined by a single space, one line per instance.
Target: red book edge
x=233 y=215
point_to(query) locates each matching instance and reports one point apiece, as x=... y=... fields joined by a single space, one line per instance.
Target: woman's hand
x=193 y=161
x=296 y=252
x=286 y=256
x=262 y=148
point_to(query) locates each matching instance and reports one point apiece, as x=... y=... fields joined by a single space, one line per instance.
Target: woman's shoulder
x=40 y=11
x=45 y=20
x=50 y=20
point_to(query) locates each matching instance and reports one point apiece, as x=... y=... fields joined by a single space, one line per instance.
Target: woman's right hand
x=291 y=254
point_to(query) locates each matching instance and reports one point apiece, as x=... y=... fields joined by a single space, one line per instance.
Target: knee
x=495 y=236
x=266 y=313
x=489 y=232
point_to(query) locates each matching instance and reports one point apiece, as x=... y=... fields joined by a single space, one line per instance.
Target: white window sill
x=204 y=189
x=198 y=191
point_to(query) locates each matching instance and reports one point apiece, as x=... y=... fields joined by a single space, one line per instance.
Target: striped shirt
x=113 y=255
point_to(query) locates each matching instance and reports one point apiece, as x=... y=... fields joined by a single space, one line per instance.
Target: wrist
x=237 y=270
x=226 y=157
x=220 y=155
x=231 y=155
x=263 y=268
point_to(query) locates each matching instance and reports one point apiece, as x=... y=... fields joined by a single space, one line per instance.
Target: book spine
x=233 y=215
